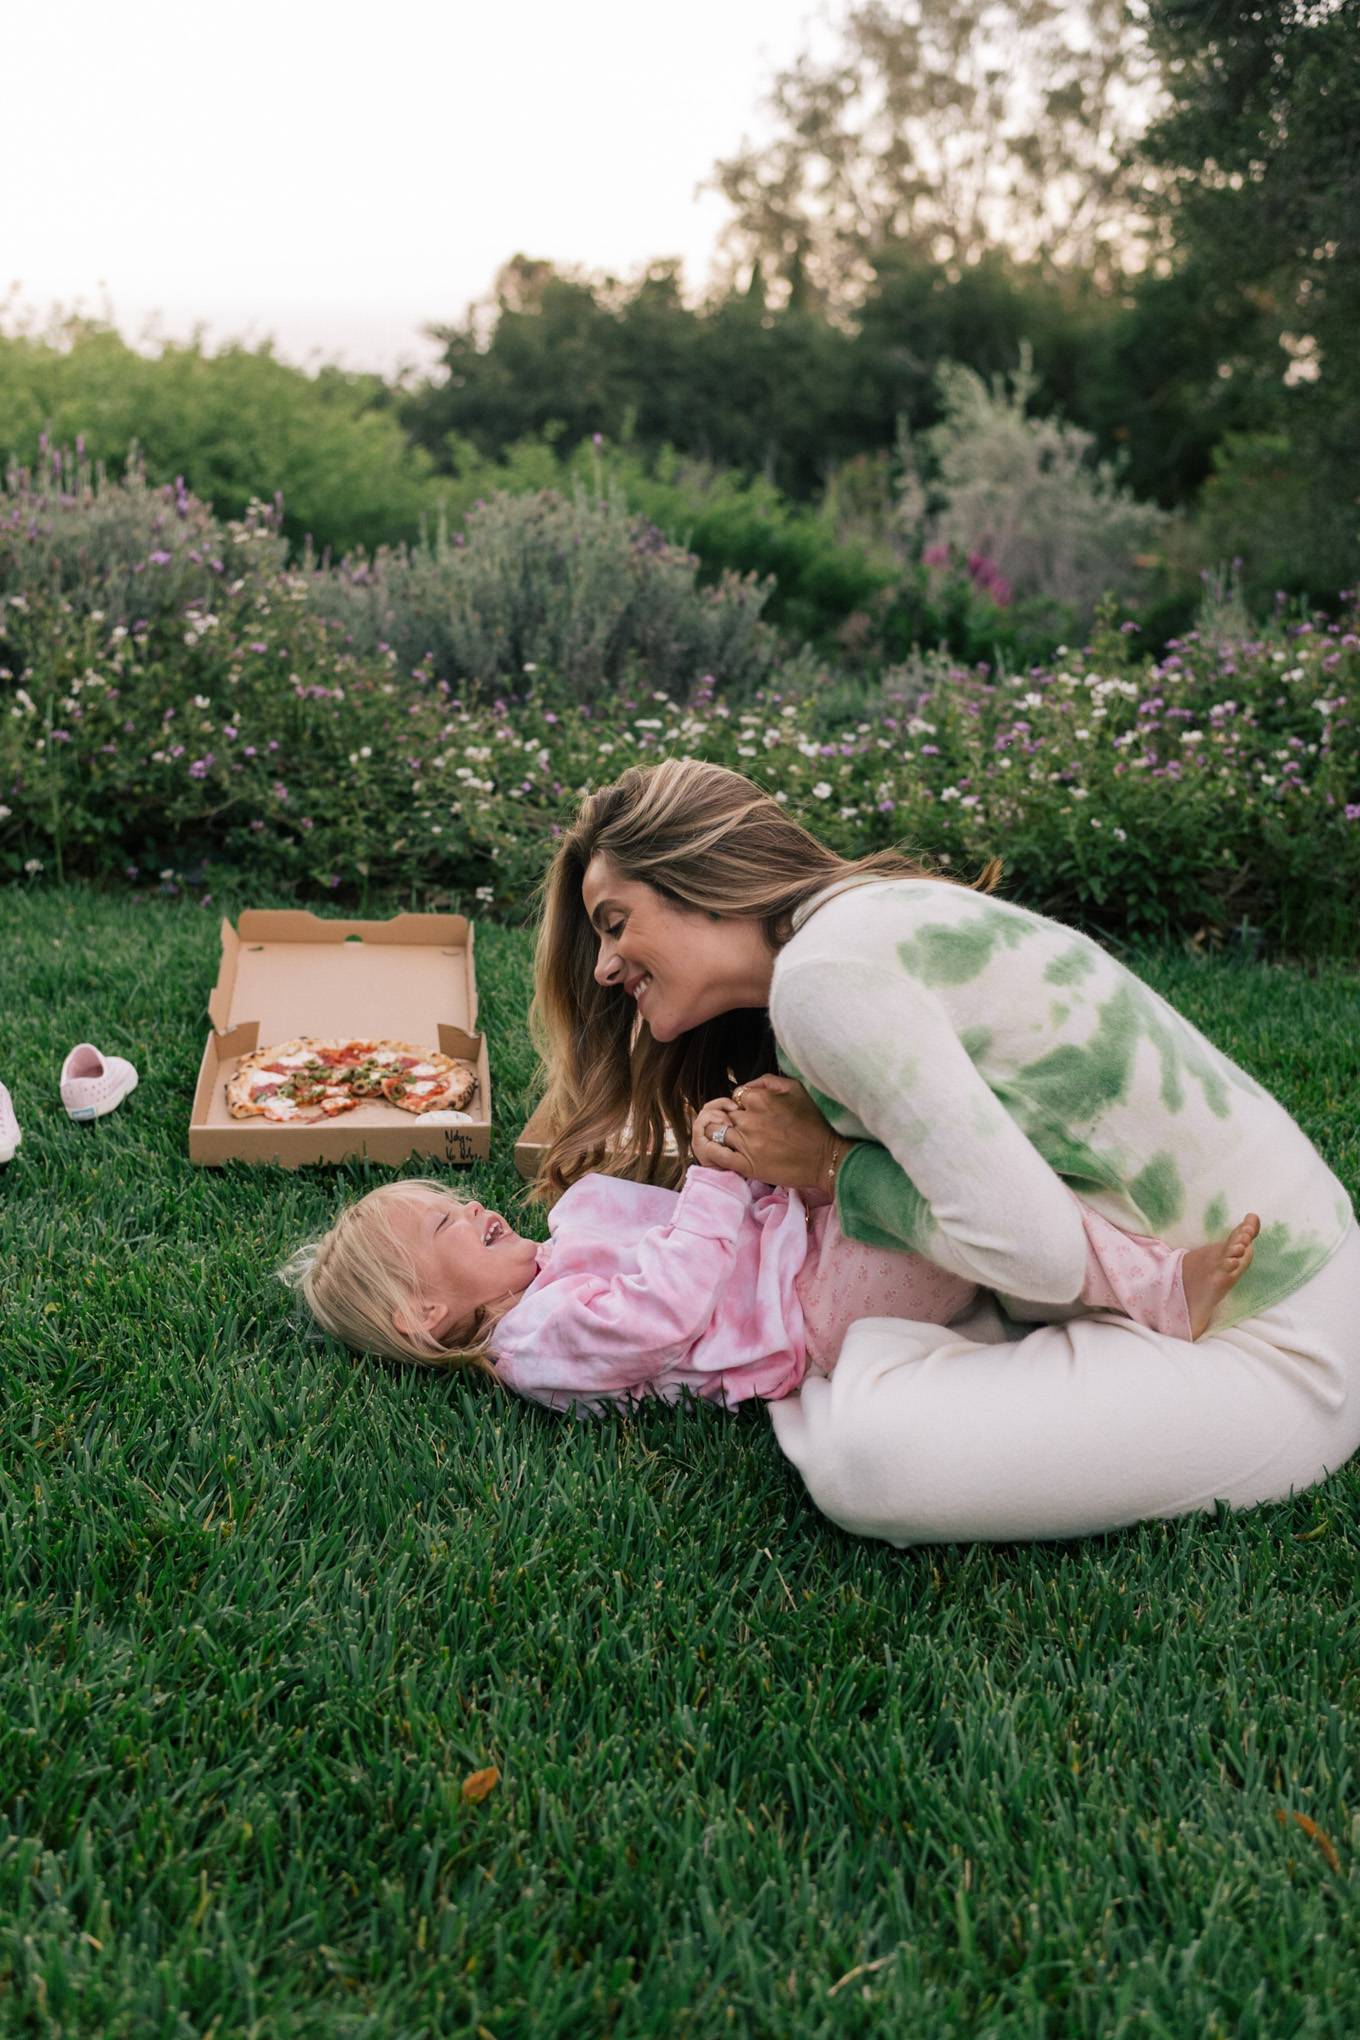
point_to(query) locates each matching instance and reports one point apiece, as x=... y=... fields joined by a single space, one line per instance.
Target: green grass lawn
x=265 y=1607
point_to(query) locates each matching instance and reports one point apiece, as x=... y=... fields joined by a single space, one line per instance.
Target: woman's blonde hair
x=360 y=1274
x=706 y=839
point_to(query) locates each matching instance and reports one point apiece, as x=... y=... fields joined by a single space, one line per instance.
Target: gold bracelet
x=838 y=1154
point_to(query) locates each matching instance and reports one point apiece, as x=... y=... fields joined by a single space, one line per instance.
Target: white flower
x=969 y=800
x=821 y=791
x=202 y=701
x=34 y=863
x=1121 y=834
x=848 y=813
x=646 y=722
x=354 y=757
x=1096 y=822
x=1081 y=733
x=1080 y=793
x=365 y=750
x=781 y=797
x=530 y=667
x=435 y=829
x=5 y=813
x=1192 y=736
x=606 y=750
x=951 y=793
x=486 y=892
x=746 y=750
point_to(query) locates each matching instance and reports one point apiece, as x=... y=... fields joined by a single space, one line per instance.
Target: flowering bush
x=1018 y=498
x=217 y=714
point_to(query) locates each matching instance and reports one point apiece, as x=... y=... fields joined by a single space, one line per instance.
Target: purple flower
x=280 y=790
x=159 y=559
x=306 y=822
x=259 y=648
x=257 y=826
x=200 y=767
x=334 y=879
x=132 y=870
x=1353 y=811
x=250 y=751
x=930 y=750
x=935 y=556
x=61 y=736
x=177 y=750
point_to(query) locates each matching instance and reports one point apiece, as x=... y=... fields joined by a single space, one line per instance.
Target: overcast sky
x=337 y=175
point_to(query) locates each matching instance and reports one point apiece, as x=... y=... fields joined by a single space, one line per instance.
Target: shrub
x=227 y=719
x=1019 y=501
x=544 y=583
x=236 y=425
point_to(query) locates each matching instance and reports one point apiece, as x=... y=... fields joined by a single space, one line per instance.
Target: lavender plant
x=573 y=586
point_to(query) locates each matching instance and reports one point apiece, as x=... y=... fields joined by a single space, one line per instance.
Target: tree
x=951 y=127
x=1258 y=159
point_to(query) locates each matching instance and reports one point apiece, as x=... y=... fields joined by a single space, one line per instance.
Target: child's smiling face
x=465 y=1256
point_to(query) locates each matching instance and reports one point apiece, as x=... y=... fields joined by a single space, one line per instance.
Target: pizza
x=309 y=1080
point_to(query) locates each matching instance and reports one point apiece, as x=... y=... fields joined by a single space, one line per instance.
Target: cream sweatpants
x=921 y=1436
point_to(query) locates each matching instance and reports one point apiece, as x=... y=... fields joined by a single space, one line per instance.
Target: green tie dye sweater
x=988 y=1057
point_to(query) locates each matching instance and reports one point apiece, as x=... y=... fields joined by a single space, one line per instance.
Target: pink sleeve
x=603 y=1337
x=1139 y=1276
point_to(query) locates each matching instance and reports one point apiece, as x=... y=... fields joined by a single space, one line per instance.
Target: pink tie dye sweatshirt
x=731 y=1289
x=643 y=1292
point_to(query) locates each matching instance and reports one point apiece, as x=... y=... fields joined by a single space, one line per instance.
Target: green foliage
x=235 y=425
x=230 y=714
x=1258 y=161
x=266 y=1607
x=782 y=394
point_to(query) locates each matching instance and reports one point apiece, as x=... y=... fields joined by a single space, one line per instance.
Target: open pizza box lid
x=286 y=974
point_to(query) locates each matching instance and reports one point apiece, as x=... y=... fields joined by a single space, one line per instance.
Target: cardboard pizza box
x=532 y=1144
x=288 y=973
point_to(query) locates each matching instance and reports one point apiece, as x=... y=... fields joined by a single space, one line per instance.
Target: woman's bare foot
x=1209 y=1272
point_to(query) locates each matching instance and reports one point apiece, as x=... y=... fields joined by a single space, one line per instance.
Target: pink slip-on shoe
x=10 y=1132
x=93 y=1084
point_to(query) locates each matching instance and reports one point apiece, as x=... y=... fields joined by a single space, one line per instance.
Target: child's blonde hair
x=360 y=1274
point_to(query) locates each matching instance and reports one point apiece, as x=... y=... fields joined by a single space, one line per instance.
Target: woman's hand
x=777 y=1135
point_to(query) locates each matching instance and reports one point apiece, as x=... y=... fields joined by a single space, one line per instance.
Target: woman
x=971 y=1064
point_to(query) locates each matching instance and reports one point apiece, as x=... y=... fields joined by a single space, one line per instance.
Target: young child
x=727 y=1288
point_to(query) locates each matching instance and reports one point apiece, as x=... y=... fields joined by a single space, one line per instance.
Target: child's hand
x=718 y=1116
